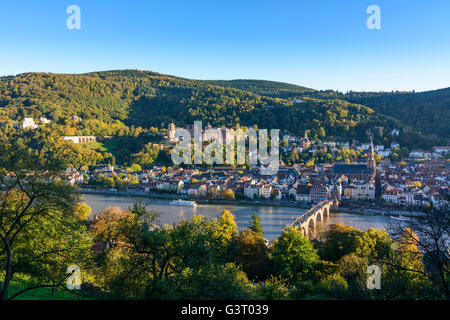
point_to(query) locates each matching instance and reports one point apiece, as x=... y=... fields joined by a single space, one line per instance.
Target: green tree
x=225 y=231
x=83 y=211
x=136 y=167
x=333 y=285
x=228 y=194
x=109 y=225
x=252 y=254
x=294 y=256
x=434 y=232
x=217 y=282
x=339 y=240
x=37 y=217
x=321 y=132
x=255 y=224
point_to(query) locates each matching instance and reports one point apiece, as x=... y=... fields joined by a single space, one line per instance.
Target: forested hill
x=264 y=88
x=428 y=112
x=143 y=98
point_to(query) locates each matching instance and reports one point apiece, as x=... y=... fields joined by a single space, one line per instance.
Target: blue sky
x=322 y=44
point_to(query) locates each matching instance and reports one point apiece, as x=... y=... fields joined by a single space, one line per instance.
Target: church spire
x=371 y=163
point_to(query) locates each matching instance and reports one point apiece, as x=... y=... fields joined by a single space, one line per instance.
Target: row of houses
x=416 y=184
x=30 y=123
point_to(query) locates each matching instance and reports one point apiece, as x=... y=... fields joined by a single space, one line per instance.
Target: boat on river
x=401 y=218
x=183 y=203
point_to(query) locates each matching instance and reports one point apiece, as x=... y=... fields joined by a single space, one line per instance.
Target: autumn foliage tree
x=39 y=233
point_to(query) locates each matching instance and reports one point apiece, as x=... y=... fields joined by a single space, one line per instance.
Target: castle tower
x=306 y=142
x=172 y=131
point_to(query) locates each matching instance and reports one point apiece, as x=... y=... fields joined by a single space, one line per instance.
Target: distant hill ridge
x=264 y=87
x=428 y=111
x=146 y=98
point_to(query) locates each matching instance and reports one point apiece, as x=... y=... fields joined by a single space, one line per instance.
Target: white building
x=442 y=150
x=343 y=144
x=289 y=138
x=391 y=196
x=44 y=120
x=251 y=191
x=385 y=153
x=378 y=148
x=363 y=191
x=73 y=176
x=420 y=154
x=28 y=123
x=80 y=139
x=265 y=191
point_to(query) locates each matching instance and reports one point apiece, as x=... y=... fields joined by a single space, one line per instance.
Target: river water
x=273 y=218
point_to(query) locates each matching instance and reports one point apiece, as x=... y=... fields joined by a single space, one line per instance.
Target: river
x=273 y=218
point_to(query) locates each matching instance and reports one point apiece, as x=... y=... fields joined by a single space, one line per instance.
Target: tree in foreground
x=40 y=236
x=83 y=211
x=294 y=256
x=225 y=232
x=185 y=260
x=424 y=242
x=252 y=254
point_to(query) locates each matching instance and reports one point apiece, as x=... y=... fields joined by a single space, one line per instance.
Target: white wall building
x=420 y=154
x=44 y=120
x=28 y=123
x=80 y=139
x=442 y=150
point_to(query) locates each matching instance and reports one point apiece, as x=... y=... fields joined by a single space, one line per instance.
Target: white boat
x=401 y=218
x=183 y=203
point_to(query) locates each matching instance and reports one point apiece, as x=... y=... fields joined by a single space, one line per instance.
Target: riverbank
x=247 y=202
x=273 y=218
x=141 y=194
x=171 y=196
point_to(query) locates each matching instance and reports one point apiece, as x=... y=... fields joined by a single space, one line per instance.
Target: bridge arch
x=307 y=222
x=311 y=224
x=319 y=215
x=304 y=232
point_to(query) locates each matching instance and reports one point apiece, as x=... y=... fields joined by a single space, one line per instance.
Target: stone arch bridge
x=307 y=221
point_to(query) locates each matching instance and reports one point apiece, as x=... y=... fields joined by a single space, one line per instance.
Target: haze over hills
x=144 y=98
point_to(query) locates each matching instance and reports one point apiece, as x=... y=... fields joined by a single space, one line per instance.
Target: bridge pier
x=304 y=232
x=311 y=225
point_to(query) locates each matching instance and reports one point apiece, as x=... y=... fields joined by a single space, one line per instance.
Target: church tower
x=371 y=163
